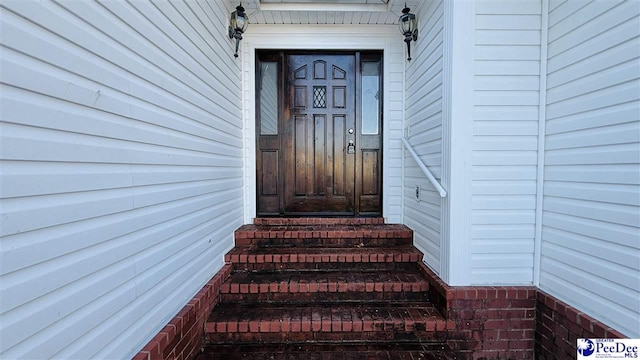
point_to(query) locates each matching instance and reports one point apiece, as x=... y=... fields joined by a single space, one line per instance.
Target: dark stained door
x=319 y=147
x=313 y=163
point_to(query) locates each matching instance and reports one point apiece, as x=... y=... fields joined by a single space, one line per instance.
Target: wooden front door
x=310 y=160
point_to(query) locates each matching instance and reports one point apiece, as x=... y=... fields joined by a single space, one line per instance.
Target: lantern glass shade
x=407 y=23
x=239 y=21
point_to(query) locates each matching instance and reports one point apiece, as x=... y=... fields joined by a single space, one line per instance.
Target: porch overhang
x=327 y=12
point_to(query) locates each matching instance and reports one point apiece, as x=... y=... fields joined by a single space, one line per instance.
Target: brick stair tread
x=250 y=254
x=337 y=317
x=399 y=351
x=322 y=281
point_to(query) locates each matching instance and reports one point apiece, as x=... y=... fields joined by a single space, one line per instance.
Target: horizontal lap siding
x=590 y=242
x=121 y=170
x=506 y=87
x=424 y=118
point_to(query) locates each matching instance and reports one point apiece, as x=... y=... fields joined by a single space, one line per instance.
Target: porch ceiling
x=334 y=12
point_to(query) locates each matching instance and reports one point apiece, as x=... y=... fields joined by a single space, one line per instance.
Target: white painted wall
x=591 y=219
x=332 y=37
x=121 y=159
x=506 y=87
x=423 y=124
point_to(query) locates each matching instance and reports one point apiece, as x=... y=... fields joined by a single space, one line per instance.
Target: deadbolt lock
x=351 y=149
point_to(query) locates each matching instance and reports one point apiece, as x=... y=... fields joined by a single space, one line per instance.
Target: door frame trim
x=298 y=37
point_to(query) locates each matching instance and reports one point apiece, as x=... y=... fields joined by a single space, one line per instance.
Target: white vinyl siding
x=591 y=219
x=505 y=136
x=423 y=121
x=121 y=170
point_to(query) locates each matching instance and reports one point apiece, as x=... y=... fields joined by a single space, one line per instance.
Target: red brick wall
x=492 y=322
x=512 y=322
x=560 y=325
x=183 y=336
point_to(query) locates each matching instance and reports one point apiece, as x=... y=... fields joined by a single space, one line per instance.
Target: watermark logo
x=588 y=349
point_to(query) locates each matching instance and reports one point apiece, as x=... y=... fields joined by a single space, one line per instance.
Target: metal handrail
x=425 y=170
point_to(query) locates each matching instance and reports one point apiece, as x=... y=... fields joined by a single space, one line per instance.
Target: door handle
x=351 y=148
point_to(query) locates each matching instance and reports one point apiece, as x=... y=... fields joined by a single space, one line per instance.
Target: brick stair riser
x=324 y=288
x=351 y=260
x=242 y=321
x=322 y=242
x=321 y=298
x=324 y=259
x=324 y=267
x=317 y=325
x=357 y=289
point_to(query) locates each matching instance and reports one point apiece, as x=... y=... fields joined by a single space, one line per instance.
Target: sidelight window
x=370 y=97
x=269 y=98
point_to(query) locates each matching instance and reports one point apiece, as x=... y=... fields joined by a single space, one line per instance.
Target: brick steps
x=355 y=351
x=336 y=288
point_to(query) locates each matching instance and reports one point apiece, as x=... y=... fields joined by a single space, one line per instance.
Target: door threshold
x=320 y=215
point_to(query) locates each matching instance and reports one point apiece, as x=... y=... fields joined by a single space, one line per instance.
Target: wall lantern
x=409 y=28
x=238 y=24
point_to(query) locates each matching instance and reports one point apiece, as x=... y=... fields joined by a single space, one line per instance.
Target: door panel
x=319 y=161
x=323 y=109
